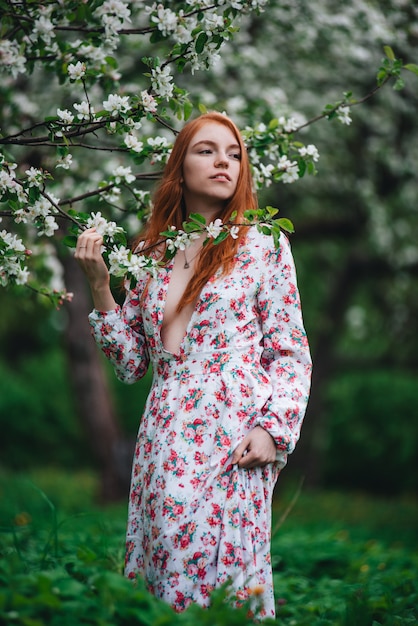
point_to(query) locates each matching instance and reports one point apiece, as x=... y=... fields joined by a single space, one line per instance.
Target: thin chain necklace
x=187 y=262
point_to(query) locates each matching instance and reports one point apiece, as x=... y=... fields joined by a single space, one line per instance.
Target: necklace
x=187 y=262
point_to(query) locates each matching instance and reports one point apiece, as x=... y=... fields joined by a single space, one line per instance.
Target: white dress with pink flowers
x=195 y=521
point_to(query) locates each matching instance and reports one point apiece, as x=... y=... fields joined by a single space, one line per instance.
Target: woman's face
x=211 y=168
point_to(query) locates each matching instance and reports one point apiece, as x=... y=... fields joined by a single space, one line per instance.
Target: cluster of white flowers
x=289 y=124
x=66 y=118
x=214 y=229
x=181 y=240
x=35 y=177
x=12 y=255
x=165 y=19
x=148 y=102
x=10 y=57
x=343 y=115
x=8 y=182
x=262 y=174
x=123 y=174
x=103 y=226
x=132 y=142
x=77 y=70
x=161 y=149
x=39 y=213
x=84 y=110
x=65 y=162
x=116 y=104
x=44 y=28
x=113 y=14
x=124 y=262
x=310 y=151
x=162 y=81
x=290 y=169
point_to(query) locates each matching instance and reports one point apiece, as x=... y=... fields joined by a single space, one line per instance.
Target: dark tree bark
x=112 y=453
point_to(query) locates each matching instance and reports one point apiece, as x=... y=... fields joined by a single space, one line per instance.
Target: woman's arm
x=286 y=357
x=118 y=331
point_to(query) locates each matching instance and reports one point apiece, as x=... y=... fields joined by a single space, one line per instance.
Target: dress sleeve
x=120 y=335
x=286 y=357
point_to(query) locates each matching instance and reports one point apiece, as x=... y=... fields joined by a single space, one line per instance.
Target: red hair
x=169 y=206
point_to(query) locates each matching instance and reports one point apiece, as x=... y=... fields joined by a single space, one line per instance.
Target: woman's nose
x=221 y=161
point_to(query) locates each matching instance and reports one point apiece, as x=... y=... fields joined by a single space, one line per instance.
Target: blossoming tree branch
x=54 y=168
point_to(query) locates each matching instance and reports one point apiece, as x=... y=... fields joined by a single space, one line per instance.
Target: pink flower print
x=206 y=590
x=160 y=557
x=191 y=399
x=172 y=509
x=200 y=458
x=182 y=601
x=174 y=464
x=234 y=517
x=191 y=570
x=298 y=337
x=185 y=535
x=245 y=390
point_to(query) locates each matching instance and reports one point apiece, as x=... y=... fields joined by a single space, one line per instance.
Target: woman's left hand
x=257 y=449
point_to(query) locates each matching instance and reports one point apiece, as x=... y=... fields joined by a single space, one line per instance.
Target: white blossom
x=290 y=169
x=166 y=20
x=148 y=102
x=343 y=114
x=116 y=104
x=309 y=151
x=84 y=109
x=49 y=227
x=162 y=81
x=212 y=23
x=11 y=58
x=133 y=143
x=234 y=232
x=76 y=71
x=124 y=173
x=44 y=28
x=65 y=116
x=102 y=225
x=288 y=124
x=35 y=177
x=65 y=162
x=215 y=228
x=181 y=241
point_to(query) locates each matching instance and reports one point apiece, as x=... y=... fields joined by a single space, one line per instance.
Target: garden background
x=346 y=513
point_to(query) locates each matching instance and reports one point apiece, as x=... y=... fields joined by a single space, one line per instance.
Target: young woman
x=222 y=327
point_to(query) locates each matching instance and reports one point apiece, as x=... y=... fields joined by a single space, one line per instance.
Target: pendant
x=186 y=266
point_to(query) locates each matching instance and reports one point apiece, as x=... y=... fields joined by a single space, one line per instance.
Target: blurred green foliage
x=338 y=560
x=373 y=435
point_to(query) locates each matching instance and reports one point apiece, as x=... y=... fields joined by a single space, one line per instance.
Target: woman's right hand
x=88 y=253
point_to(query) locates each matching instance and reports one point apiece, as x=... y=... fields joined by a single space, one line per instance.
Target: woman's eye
x=236 y=155
x=206 y=151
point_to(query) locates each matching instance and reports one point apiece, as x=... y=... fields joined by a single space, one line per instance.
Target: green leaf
x=411 y=67
x=196 y=217
x=223 y=235
x=70 y=241
x=286 y=224
x=200 y=42
x=389 y=53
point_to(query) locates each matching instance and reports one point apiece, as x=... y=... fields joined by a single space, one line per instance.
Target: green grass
x=339 y=558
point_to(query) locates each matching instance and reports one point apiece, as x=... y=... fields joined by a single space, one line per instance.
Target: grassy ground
x=339 y=558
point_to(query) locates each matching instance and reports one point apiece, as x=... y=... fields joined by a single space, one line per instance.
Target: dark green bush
x=372 y=435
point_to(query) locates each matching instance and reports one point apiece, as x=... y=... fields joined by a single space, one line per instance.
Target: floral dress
x=196 y=521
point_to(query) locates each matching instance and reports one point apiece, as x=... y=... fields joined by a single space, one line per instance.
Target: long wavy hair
x=169 y=207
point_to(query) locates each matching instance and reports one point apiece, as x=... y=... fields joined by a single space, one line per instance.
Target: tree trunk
x=112 y=453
